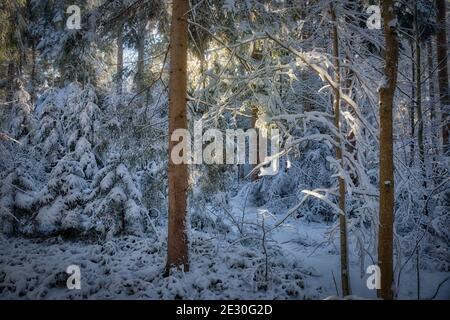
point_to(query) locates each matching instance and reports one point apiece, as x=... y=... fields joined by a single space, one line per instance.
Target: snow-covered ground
x=301 y=264
x=132 y=268
x=310 y=244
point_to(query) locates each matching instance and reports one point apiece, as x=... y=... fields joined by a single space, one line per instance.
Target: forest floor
x=292 y=263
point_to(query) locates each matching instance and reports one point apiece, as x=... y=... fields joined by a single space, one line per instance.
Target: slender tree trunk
x=412 y=113
x=444 y=96
x=177 y=249
x=431 y=92
x=33 y=72
x=350 y=147
x=420 y=121
x=351 y=137
x=419 y=89
x=307 y=101
x=32 y=42
x=255 y=176
x=256 y=55
x=140 y=62
x=119 y=58
x=432 y=106
x=386 y=207
x=336 y=106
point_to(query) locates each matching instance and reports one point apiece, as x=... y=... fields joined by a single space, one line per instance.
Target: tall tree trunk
x=432 y=107
x=32 y=45
x=33 y=72
x=336 y=106
x=431 y=92
x=419 y=89
x=119 y=57
x=307 y=100
x=386 y=206
x=412 y=116
x=140 y=62
x=177 y=250
x=256 y=55
x=347 y=88
x=444 y=96
x=254 y=118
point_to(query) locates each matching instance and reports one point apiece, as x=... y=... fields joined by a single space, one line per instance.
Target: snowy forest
x=95 y=202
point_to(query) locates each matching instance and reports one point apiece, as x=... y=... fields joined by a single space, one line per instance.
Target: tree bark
x=140 y=62
x=177 y=249
x=431 y=93
x=444 y=97
x=412 y=116
x=386 y=207
x=33 y=75
x=336 y=106
x=431 y=90
x=418 y=89
x=119 y=58
x=256 y=55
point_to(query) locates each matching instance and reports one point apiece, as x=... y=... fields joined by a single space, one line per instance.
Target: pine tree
x=177 y=250
x=48 y=137
x=82 y=115
x=13 y=46
x=345 y=274
x=442 y=54
x=16 y=199
x=21 y=118
x=386 y=204
x=60 y=203
x=114 y=204
x=120 y=47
